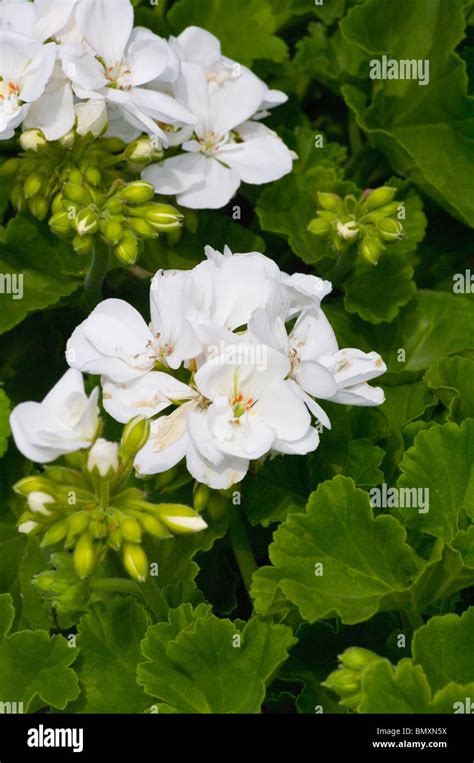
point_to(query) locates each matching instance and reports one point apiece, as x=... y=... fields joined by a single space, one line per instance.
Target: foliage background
x=386 y=572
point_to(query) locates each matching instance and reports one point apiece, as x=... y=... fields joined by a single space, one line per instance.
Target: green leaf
x=273 y=492
x=406 y=403
x=328 y=57
x=363 y=559
x=34 y=667
x=4 y=421
x=443 y=648
x=451 y=381
x=378 y=293
x=109 y=639
x=48 y=266
x=441 y=461
x=224 y=17
x=426 y=132
x=200 y=668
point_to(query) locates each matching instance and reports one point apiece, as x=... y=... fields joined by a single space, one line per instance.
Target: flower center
x=222 y=72
x=119 y=76
x=9 y=96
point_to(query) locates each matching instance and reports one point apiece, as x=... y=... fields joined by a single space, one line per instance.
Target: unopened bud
x=131 y=530
x=163 y=217
x=28 y=527
x=348 y=230
x=135 y=435
x=389 y=229
x=112 y=231
x=55 y=533
x=141 y=151
x=138 y=192
x=10 y=168
x=32 y=140
x=33 y=185
x=61 y=224
x=329 y=201
x=84 y=556
x=37 y=502
x=201 y=497
x=127 y=250
x=103 y=458
x=112 y=145
x=83 y=244
x=320 y=227
x=180 y=519
x=87 y=222
x=142 y=228
x=379 y=197
x=357 y=658
x=39 y=208
x=75 y=192
x=135 y=562
x=371 y=249
x=32 y=484
x=153 y=526
x=68 y=140
x=116 y=205
x=344 y=682
x=93 y=176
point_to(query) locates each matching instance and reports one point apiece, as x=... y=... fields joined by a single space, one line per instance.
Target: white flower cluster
x=81 y=64
x=241 y=352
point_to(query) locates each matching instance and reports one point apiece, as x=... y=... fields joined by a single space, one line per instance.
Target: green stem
x=116 y=585
x=96 y=274
x=240 y=545
x=151 y=594
x=414 y=618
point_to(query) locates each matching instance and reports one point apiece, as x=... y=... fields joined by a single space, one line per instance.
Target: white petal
x=198 y=45
x=106 y=25
x=173 y=176
x=167 y=443
x=53 y=113
x=91 y=117
x=282 y=410
x=230 y=470
x=316 y=380
x=147 y=395
x=306 y=444
x=360 y=394
x=235 y=101
x=261 y=158
x=215 y=191
x=147 y=57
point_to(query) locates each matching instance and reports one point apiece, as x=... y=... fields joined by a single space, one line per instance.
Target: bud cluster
x=370 y=222
x=346 y=680
x=76 y=183
x=87 y=507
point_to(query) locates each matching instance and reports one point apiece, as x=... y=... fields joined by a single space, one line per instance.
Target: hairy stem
x=240 y=546
x=116 y=585
x=96 y=274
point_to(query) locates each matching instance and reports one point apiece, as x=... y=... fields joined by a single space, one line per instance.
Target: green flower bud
x=84 y=556
x=32 y=484
x=55 y=533
x=201 y=497
x=61 y=224
x=65 y=476
x=135 y=562
x=114 y=539
x=75 y=192
x=33 y=185
x=112 y=231
x=112 y=145
x=83 y=244
x=44 y=581
x=10 y=168
x=39 y=501
x=390 y=229
x=57 y=204
x=142 y=228
x=39 y=208
x=344 y=682
x=76 y=176
x=330 y=201
x=17 y=197
x=116 y=205
x=163 y=217
x=68 y=140
x=141 y=151
x=93 y=176
x=103 y=459
x=97 y=529
x=131 y=530
x=357 y=658
x=127 y=250
x=153 y=526
x=135 y=435
x=87 y=222
x=32 y=140
x=217 y=506
x=320 y=227
x=388 y=210
x=379 y=197
x=74 y=598
x=180 y=519
x=137 y=192
x=78 y=523
x=371 y=248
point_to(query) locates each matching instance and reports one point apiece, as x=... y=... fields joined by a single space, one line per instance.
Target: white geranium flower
x=125 y=60
x=114 y=341
x=64 y=422
x=228 y=148
x=25 y=69
x=53 y=113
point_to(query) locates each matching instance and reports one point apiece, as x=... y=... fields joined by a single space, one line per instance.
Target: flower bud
x=57 y=203
x=390 y=229
x=153 y=526
x=329 y=201
x=68 y=140
x=33 y=185
x=112 y=145
x=142 y=228
x=357 y=658
x=217 y=506
x=37 y=502
x=78 y=523
x=141 y=151
x=84 y=556
x=135 y=435
x=83 y=244
x=320 y=227
x=344 y=682
x=97 y=529
x=17 y=197
x=32 y=140
x=61 y=224
x=137 y=192
x=112 y=231
x=131 y=530
x=103 y=458
x=379 y=197
x=93 y=176
x=28 y=485
x=44 y=581
x=114 y=539
x=371 y=248
x=39 y=208
x=116 y=205
x=348 y=230
x=201 y=497
x=127 y=250
x=27 y=527
x=75 y=192
x=180 y=519
x=10 y=168
x=65 y=476
x=55 y=533
x=135 y=562
x=87 y=222
x=163 y=217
